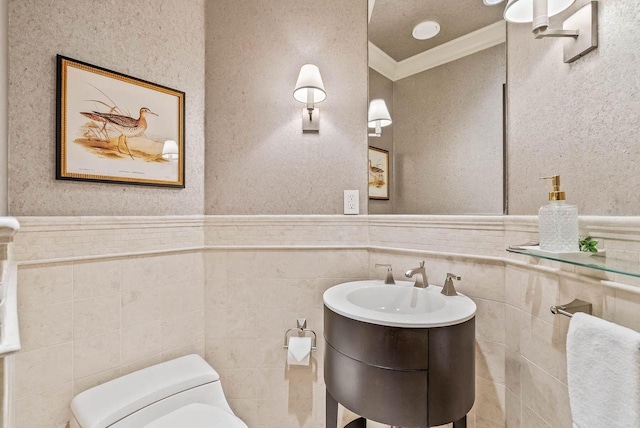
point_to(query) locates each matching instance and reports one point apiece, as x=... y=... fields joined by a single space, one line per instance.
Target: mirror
x=445 y=96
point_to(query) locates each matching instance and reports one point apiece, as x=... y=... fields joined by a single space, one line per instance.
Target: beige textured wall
x=157 y=40
x=447 y=137
x=381 y=87
x=258 y=161
x=4 y=104
x=579 y=120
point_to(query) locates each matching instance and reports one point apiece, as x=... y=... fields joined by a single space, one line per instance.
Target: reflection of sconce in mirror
x=379 y=116
x=170 y=150
x=310 y=90
x=580 y=30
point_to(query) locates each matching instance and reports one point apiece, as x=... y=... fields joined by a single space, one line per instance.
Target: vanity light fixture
x=580 y=31
x=492 y=2
x=170 y=150
x=310 y=90
x=379 y=116
x=426 y=30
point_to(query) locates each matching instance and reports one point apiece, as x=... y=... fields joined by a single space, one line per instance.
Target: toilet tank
x=148 y=394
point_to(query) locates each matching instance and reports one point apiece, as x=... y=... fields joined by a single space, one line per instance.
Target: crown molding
x=382 y=63
x=468 y=44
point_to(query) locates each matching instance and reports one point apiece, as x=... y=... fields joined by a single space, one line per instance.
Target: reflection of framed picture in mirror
x=378 y=173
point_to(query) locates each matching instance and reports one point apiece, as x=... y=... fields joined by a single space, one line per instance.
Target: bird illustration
x=126 y=125
x=375 y=169
x=376 y=175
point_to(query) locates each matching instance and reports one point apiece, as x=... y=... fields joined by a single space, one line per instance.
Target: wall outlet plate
x=352 y=202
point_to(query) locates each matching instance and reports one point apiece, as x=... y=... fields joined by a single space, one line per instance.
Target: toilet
x=185 y=392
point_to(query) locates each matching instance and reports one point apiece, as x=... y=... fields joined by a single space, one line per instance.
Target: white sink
x=400 y=305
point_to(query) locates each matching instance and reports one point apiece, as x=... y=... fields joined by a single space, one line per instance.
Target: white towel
x=603 y=364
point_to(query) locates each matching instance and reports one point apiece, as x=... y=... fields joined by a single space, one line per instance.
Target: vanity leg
x=461 y=423
x=358 y=423
x=331 y=413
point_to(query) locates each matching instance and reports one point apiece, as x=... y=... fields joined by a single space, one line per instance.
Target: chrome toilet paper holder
x=302 y=330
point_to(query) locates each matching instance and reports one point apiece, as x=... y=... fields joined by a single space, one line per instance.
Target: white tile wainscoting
x=102 y=296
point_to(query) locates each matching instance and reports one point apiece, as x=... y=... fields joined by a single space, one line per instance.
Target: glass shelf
x=607 y=264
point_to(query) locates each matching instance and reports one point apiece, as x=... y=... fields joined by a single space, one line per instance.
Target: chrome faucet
x=448 y=289
x=422 y=281
x=389 y=278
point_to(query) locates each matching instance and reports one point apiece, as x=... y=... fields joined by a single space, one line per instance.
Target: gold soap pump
x=556 y=194
x=558 y=221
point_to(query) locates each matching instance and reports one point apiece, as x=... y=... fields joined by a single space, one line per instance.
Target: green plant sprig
x=588 y=245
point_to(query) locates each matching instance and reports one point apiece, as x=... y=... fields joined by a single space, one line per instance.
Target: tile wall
x=253 y=297
x=99 y=299
x=91 y=291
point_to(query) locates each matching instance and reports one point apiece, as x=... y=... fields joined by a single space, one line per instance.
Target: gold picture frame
x=114 y=128
x=378 y=173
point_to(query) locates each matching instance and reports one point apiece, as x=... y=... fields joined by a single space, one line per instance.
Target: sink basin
x=400 y=305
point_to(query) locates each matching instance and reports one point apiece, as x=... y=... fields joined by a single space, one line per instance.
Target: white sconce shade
x=378 y=112
x=492 y=2
x=379 y=116
x=521 y=11
x=309 y=78
x=170 y=150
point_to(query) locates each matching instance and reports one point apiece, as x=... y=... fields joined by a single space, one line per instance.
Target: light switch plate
x=352 y=202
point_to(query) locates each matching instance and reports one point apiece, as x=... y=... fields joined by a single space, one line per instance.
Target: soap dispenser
x=558 y=222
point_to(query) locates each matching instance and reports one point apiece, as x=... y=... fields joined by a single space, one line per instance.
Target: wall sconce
x=580 y=31
x=310 y=90
x=379 y=116
x=170 y=150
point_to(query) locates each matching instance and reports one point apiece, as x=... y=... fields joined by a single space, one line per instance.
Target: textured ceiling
x=393 y=20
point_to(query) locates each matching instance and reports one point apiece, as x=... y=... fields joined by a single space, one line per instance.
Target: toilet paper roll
x=299 y=351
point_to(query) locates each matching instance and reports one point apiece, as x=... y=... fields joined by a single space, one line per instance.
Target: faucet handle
x=389 y=279
x=422 y=264
x=448 y=289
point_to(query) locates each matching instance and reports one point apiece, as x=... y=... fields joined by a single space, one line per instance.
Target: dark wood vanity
x=407 y=377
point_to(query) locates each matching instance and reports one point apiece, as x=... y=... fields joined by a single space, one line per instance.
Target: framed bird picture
x=378 y=173
x=114 y=128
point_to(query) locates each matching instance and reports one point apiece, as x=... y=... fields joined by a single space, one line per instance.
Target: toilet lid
x=197 y=415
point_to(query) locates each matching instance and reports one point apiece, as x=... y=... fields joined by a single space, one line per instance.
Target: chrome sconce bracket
x=378 y=130
x=311 y=119
x=586 y=22
x=308 y=122
x=580 y=32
